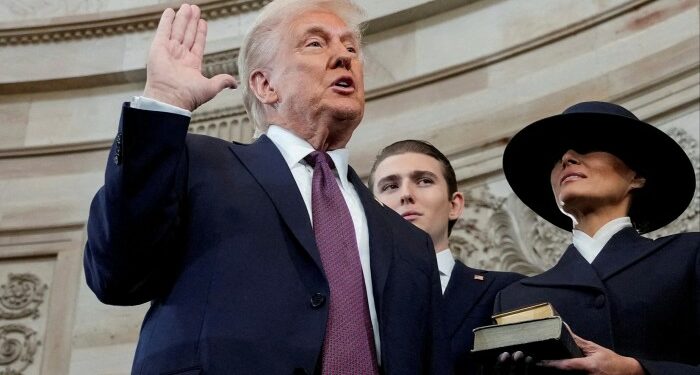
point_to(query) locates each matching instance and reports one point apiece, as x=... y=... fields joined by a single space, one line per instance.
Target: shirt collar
x=294 y=149
x=590 y=247
x=445 y=262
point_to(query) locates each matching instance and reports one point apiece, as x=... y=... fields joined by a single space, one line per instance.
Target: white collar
x=590 y=247
x=445 y=261
x=294 y=149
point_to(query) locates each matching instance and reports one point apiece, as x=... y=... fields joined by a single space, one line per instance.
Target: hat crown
x=600 y=108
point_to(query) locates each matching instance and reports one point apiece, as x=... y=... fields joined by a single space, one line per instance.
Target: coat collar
x=623 y=250
x=381 y=243
x=259 y=158
x=572 y=270
x=264 y=161
x=462 y=294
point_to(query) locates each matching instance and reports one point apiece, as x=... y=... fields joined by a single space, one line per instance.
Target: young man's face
x=414 y=186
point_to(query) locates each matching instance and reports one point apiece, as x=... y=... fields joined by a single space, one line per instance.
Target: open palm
x=174 y=69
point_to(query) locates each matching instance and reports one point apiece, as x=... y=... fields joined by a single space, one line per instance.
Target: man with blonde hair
x=269 y=258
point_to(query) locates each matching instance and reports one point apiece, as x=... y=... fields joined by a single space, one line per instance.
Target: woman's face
x=588 y=182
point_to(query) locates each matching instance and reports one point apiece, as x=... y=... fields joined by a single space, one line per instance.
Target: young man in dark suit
x=418 y=182
x=600 y=172
x=268 y=258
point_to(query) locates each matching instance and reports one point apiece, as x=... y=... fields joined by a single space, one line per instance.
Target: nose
x=570 y=157
x=342 y=61
x=407 y=196
x=342 y=58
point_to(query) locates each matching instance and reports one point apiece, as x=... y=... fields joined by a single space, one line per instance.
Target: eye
x=425 y=181
x=314 y=43
x=351 y=49
x=388 y=187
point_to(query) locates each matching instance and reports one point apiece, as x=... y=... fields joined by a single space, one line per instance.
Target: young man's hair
x=419 y=147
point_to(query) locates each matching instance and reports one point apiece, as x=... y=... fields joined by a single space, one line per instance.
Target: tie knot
x=319 y=157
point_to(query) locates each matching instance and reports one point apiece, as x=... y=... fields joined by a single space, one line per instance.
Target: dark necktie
x=348 y=347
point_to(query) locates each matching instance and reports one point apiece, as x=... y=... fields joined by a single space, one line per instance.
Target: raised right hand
x=174 y=70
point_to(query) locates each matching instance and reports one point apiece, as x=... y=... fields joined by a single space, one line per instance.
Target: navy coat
x=639 y=297
x=468 y=303
x=217 y=237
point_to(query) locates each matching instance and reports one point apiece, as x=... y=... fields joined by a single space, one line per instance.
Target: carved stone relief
x=501 y=233
x=21 y=296
x=22 y=326
x=18 y=345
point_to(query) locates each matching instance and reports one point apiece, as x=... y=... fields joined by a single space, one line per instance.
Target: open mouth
x=344 y=84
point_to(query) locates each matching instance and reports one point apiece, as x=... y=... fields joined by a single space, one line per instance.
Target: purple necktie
x=348 y=347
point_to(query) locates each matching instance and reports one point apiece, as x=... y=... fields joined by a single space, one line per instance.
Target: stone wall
x=464 y=75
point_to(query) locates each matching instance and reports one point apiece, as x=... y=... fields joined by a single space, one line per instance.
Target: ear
x=638 y=182
x=259 y=84
x=456 y=205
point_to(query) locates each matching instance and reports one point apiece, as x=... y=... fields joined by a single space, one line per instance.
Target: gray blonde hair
x=261 y=42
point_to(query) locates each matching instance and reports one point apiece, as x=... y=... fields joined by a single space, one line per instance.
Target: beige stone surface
x=463 y=75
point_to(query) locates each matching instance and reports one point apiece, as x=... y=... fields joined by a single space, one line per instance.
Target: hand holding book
x=597 y=360
x=535 y=340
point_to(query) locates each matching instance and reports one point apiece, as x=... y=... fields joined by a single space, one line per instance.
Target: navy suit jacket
x=639 y=297
x=468 y=303
x=217 y=237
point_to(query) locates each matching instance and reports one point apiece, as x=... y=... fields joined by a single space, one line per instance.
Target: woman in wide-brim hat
x=603 y=174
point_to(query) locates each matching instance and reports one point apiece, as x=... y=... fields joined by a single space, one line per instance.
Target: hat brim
x=670 y=178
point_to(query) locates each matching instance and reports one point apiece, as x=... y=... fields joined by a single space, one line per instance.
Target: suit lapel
x=381 y=242
x=462 y=294
x=264 y=161
x=624 y=249
x=572 y=270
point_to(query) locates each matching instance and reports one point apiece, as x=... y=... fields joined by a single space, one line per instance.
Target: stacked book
x=538 y=331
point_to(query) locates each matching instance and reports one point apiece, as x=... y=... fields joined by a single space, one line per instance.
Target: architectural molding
x=226 y=61
x=508 y=53
x=672 y=94
x=115 y=25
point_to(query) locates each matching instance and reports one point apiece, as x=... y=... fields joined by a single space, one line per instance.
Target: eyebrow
x=416 y=174
x=413 y=175
x=389 y=178
x=320 y=30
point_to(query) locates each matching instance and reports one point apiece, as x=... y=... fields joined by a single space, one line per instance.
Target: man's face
x=592 y=181
x=414 y=186
x=317 y=73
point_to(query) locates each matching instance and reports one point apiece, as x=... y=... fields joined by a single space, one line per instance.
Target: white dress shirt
x=445 y=262
x=590 y=247
x=294 y=150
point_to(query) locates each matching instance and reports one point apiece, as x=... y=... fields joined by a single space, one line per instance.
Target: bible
x=535 y=330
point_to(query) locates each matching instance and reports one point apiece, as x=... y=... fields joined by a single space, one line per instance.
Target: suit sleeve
x=662 y=367
x=132 y=246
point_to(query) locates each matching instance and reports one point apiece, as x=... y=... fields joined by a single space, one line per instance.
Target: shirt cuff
x=148 y=104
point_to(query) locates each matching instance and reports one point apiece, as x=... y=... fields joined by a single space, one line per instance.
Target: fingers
x=165 y=24
x=200 y=39
x=220 y=82
x=567 y=364
x=192 y=27
x=182 y=18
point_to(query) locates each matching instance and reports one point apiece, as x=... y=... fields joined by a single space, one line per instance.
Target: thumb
x=220 y=82
x=585 y=345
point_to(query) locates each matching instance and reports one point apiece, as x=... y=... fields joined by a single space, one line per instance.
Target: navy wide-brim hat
x=599 y=126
